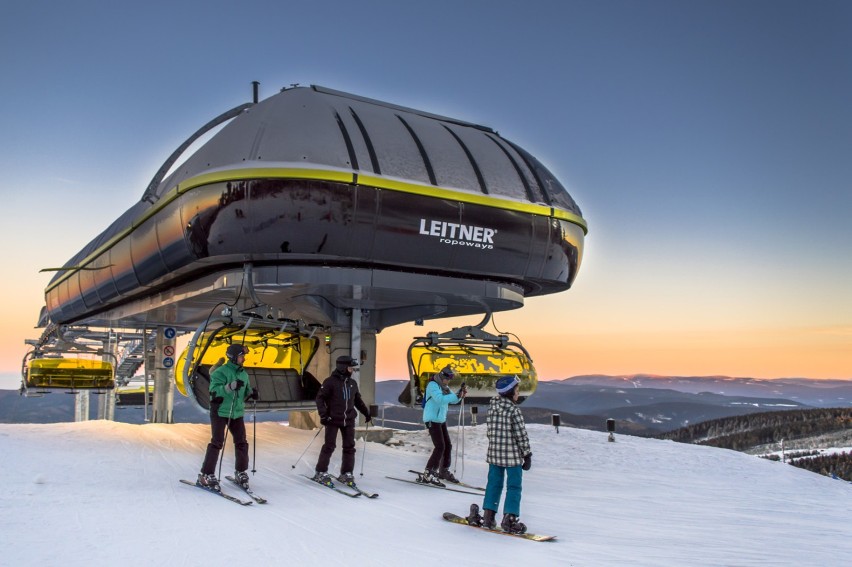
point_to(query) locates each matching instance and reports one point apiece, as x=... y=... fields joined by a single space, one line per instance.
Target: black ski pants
x=347 y=432
x=237 y=427
x=443 y=447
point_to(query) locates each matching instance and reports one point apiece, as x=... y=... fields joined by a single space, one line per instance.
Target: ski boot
x=208 y=481
x=322 y=478
x=488 y=521
x=474 y=519
x=242 y=479
x=445 y=474
x=511 y=524
x=347 y=478
x=430 y=476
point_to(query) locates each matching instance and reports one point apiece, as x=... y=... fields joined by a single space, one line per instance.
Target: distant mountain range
x=817 y=393
x=646 y=405
x=663 y=403
x=58 y=407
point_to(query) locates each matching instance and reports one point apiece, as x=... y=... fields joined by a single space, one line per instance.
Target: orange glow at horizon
x=787 y=353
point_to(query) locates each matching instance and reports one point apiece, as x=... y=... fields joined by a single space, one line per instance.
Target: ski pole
x=293 y=466
x=364 y=450
x=225 y=439
x=462 y=442
x=460 y=433
x=254 y=438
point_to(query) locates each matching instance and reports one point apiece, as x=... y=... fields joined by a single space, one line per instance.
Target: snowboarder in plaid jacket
x=508 y=456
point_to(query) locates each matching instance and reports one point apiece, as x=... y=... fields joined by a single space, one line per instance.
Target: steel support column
x=164 y=367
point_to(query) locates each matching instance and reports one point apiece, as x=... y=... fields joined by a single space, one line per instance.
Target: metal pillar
x=147 y=365
x=164 y=365
x=367 y=370
x=355 y=342
x=106 y=401
x=81 y=406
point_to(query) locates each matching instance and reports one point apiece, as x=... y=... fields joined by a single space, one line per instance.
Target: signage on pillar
x=166 y=348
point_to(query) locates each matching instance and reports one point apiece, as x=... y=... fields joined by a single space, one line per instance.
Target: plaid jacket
x=508 y=442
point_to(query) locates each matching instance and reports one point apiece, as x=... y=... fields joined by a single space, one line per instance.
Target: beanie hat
x=506 y=384
x=447 y=372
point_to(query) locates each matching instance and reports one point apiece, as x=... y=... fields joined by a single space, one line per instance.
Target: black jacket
x=338 y=397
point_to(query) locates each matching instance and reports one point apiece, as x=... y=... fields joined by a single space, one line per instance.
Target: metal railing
x=470 y=418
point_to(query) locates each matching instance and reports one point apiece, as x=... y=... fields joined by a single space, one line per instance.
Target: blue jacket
x=437 y=403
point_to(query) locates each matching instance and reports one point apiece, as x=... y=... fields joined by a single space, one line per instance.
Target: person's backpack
x=425 y=396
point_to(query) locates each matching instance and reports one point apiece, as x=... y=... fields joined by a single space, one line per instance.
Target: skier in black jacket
x=337 y=401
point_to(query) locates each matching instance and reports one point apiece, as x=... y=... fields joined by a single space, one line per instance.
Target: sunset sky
x=706 y=142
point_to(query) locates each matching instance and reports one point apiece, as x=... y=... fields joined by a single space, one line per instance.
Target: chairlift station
x=310 y=222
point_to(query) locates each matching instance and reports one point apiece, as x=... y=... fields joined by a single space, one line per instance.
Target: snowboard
x=450 y=517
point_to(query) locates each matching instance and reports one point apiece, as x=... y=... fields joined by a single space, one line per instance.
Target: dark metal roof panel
x=395 y=148
x=451 y=166
x=319 y=127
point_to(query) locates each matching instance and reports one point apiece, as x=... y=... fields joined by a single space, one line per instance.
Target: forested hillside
x=796 y=428
x=746 y=431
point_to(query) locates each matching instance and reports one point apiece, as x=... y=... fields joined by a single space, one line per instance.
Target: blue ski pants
x=494 y=489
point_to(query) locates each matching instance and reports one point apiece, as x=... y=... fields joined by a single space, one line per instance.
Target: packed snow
x=107 y=493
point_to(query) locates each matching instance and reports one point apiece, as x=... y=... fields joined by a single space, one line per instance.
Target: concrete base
x=304 y=420
x=374 y=434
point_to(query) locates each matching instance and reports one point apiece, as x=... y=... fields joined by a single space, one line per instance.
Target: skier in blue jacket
x=438 y=397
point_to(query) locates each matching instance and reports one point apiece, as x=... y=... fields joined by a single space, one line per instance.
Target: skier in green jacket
x=229 y=389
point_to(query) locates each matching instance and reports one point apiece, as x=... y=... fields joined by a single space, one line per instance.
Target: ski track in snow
x=104 y=493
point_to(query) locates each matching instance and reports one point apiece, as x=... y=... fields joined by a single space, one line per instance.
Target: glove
x=367 y=418
x=234 y=386
x=325 y=420
x=527 y=462
x=253 y=396
x=216 y=400
x=462 y=393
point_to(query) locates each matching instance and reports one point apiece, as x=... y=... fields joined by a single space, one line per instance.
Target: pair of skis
x=358 y=491
x=451 y=486
x=254 y=497
x=449 y=483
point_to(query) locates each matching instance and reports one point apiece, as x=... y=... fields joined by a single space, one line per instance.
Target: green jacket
x=233 y=403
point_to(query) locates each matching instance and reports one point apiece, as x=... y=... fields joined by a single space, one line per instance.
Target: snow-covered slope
x=104 y=493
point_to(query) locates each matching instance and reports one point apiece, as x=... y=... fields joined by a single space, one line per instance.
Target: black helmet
x=234 y=351
x=346 y=361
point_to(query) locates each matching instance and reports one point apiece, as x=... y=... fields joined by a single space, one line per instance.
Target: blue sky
x=706 y=143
